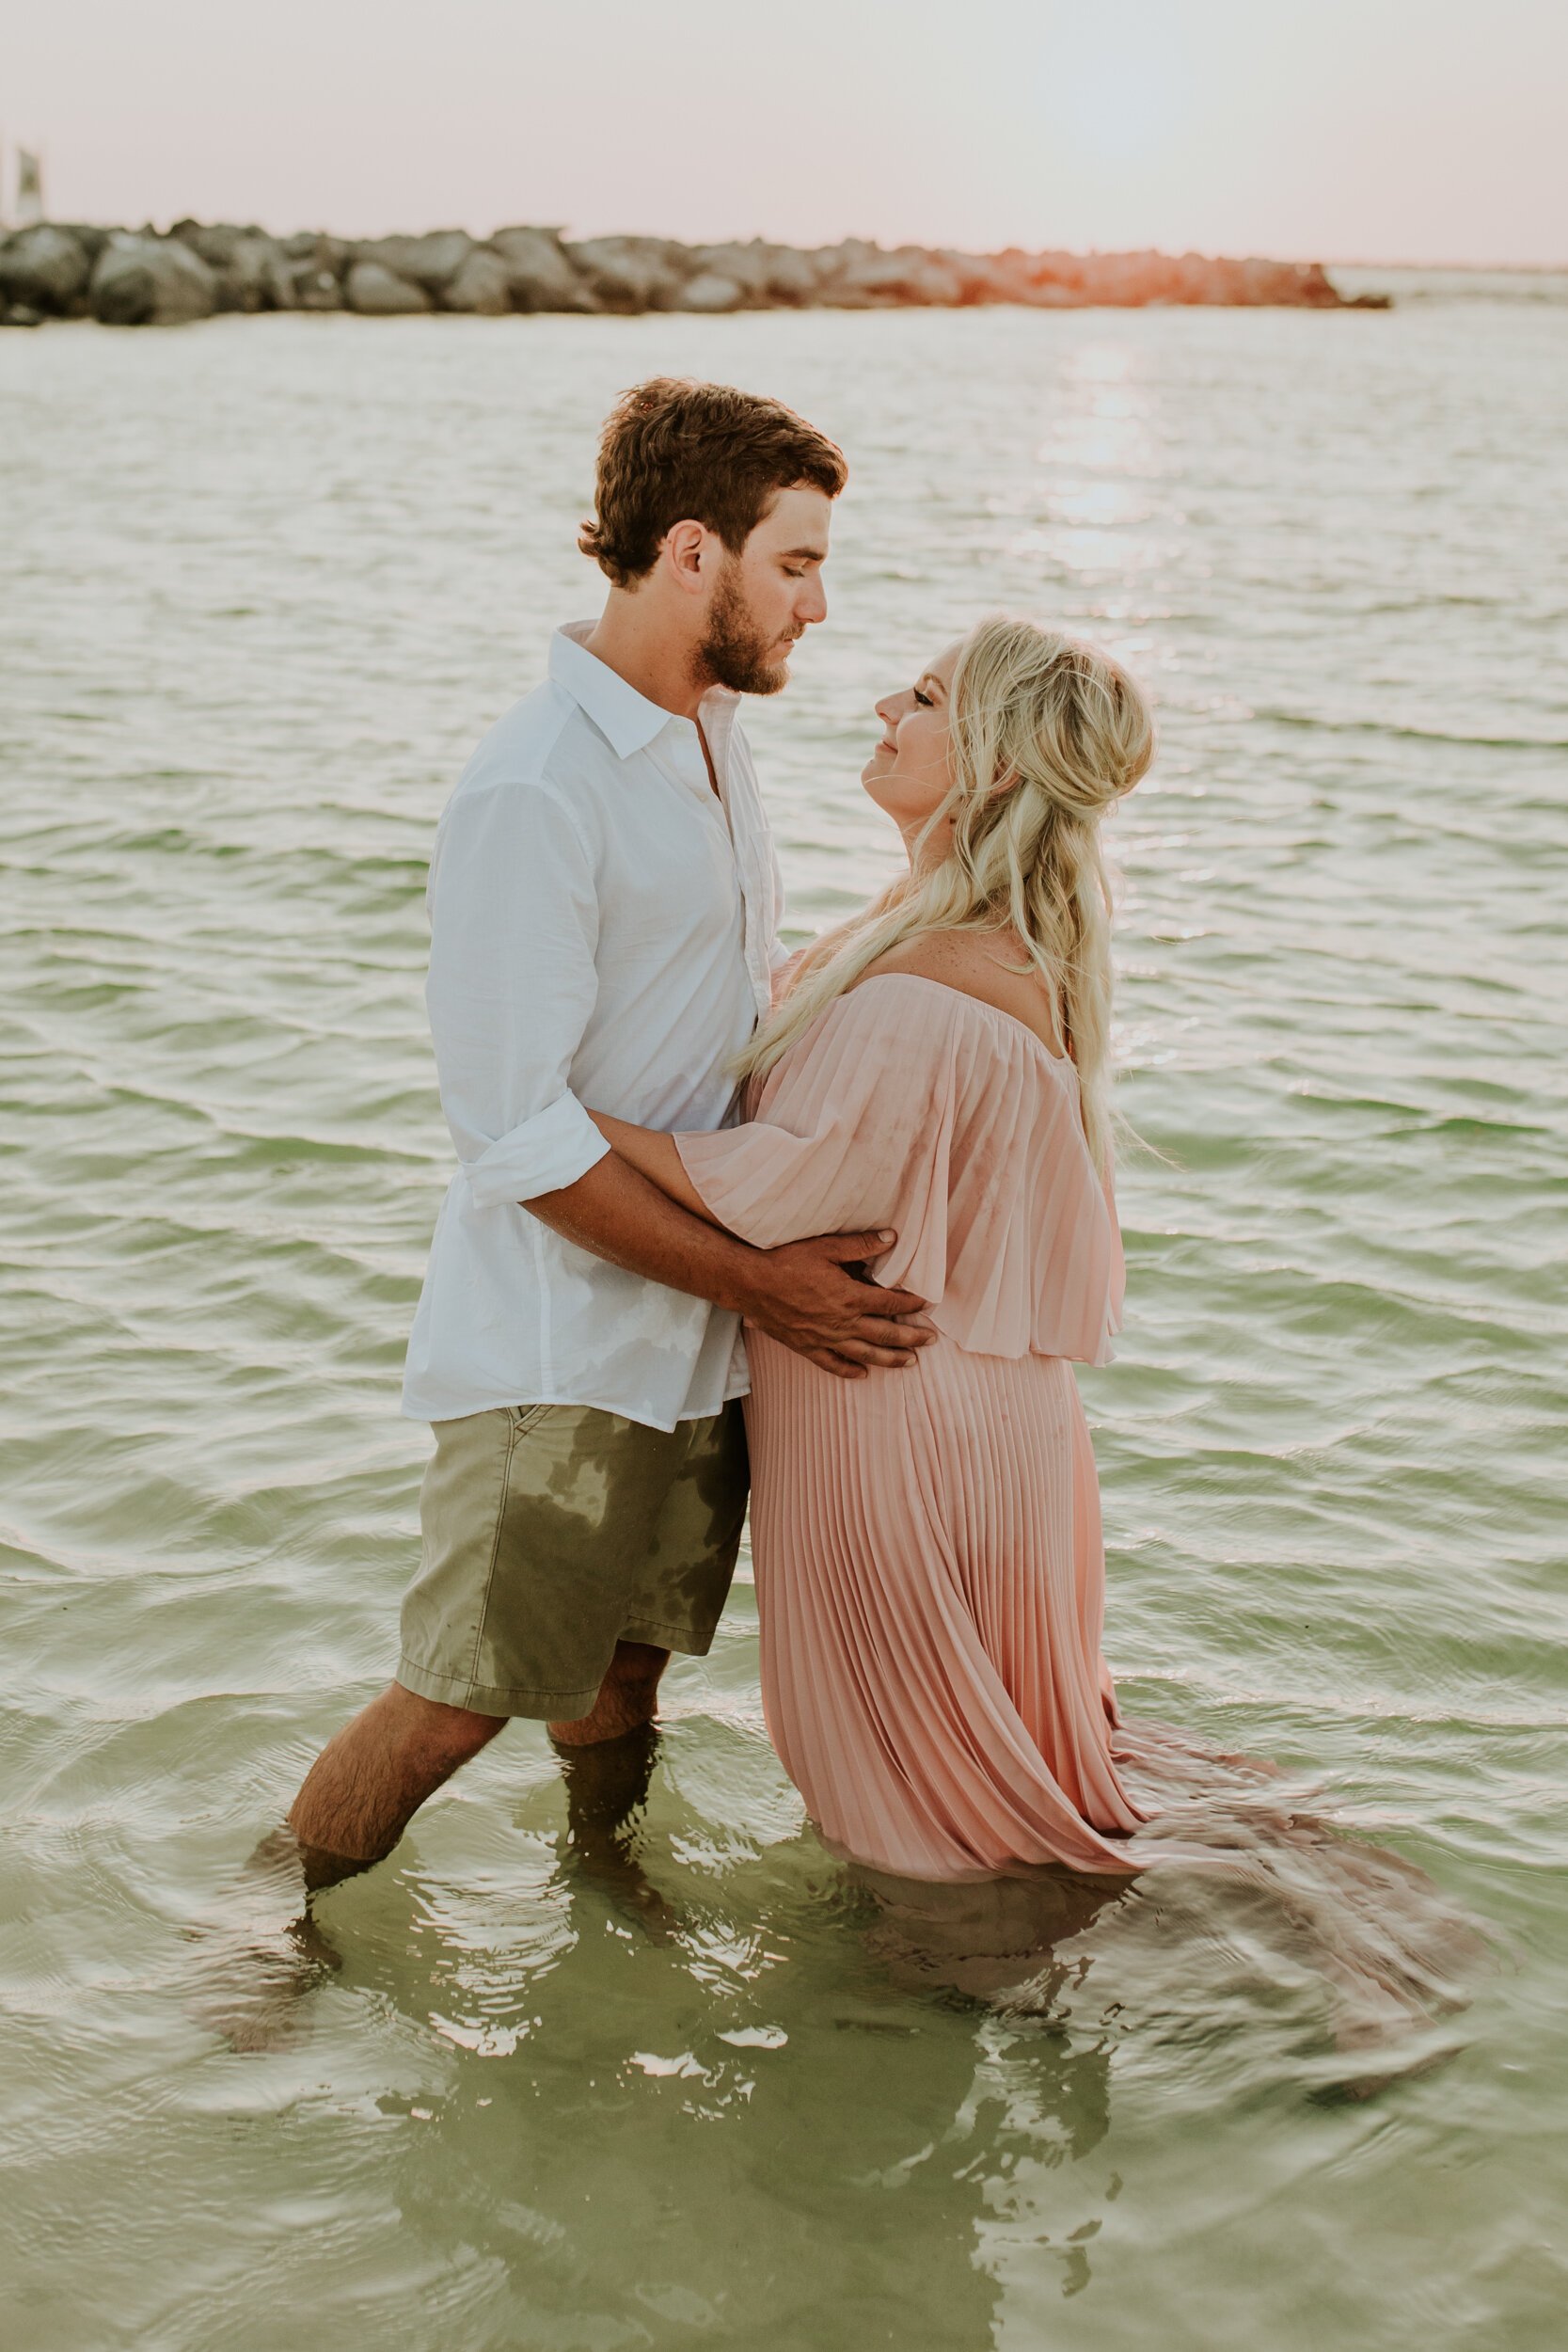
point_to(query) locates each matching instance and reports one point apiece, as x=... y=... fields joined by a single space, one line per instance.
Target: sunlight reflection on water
x=268 y=581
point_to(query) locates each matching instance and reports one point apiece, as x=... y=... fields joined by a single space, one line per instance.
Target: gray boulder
x=766 y=273
x=253 y=273
x=378 y=292
x=539 y=272
x=984 y=277
x=481 y=285
x=252 y=278
x=216 y=240
x=316 y=286
x=42 y=268
x=91 y=240
x=314 y=245
x=865 y=277
x=151 y=282
x=710 y=292
x=929 y=278
x=633 y=273
x=432 y=261
x=746 y=267
x=793 y=276
x=307 y=273
x=836 y=279
x=277 y=280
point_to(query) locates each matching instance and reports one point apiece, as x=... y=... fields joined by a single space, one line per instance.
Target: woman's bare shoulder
x=990 y=965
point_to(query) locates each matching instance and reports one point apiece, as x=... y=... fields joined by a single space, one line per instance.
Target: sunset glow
x=1357 y=129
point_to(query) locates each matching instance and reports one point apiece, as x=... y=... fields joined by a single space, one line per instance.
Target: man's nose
x=813 y=605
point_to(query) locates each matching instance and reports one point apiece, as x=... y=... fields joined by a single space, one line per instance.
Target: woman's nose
x=887 y=709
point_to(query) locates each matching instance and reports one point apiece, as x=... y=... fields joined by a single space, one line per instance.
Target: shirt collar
x=626 y=718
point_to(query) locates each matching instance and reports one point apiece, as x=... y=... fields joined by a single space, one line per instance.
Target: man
x=604 y=904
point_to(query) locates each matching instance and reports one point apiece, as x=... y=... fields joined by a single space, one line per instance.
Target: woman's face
x=910 y=773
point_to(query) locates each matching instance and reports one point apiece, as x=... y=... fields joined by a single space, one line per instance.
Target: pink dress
x=931 y=1571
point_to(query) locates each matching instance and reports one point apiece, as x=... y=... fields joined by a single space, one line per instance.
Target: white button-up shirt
x=603 y=933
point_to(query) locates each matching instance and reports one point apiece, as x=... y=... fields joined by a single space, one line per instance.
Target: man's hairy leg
x=267 y=1950
x=628 y=1697
x=366 y=1785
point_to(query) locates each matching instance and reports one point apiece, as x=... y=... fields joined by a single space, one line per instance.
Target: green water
x=264 y=582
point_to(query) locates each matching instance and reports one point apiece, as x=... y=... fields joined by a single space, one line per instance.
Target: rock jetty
x=143 y=278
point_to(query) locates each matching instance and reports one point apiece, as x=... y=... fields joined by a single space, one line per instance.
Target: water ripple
x=265 y=584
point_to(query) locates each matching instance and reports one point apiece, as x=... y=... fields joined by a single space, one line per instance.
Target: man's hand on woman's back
x=805 y=1293
x=810 y=1297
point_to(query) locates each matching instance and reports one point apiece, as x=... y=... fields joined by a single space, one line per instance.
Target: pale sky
x=1345 y=129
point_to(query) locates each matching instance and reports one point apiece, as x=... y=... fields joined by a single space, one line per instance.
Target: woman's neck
x=926 y=855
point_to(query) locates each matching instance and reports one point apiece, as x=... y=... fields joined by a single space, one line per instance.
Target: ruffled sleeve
x=909 y=1104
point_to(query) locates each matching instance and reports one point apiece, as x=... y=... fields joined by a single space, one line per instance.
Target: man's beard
x=734 y=652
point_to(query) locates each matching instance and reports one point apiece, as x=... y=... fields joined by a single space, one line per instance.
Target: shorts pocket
x=526 y=1416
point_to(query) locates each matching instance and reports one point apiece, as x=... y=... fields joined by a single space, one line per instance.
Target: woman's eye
x=924 y=700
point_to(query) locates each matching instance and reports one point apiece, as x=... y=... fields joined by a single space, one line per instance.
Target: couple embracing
x=887 y=1159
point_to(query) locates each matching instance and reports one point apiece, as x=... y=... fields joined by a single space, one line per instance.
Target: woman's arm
x=655 y=1156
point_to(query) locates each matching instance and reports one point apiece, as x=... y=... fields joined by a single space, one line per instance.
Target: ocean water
x=263 y=583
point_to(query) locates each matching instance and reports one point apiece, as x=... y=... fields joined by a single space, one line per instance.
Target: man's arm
x=653 y=1155
x=802 y=1294
x=513 y=929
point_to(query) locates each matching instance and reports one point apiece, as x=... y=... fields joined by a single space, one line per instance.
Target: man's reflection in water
x=980 y=1936
x=790 y=2115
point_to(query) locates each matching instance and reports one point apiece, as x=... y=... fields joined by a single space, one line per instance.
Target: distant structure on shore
x=27 y=205
x=137 y=278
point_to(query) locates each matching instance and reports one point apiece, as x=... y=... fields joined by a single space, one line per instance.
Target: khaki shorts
x=552 y=1532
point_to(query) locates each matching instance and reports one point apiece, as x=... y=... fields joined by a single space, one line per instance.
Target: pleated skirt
x=930 y=1580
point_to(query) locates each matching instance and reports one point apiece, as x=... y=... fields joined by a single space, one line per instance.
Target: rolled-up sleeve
x=514 y=925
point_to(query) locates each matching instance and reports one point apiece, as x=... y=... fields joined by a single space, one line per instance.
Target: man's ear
x=685 y=549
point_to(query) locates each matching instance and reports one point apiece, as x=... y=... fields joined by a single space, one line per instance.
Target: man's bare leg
x=627 y=1697
x=367 y=1785
x=607 y=1761
x=357 y=1799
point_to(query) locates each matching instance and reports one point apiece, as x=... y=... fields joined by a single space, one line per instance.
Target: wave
x=1313 y=725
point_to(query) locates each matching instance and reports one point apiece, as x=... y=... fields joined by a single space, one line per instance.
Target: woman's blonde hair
x=1046 y=734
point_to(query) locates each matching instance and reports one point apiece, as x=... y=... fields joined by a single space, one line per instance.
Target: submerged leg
x=607 y=1761
x=357 y=1799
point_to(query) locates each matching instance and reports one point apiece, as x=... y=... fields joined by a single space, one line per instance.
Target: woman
x=931 y=1572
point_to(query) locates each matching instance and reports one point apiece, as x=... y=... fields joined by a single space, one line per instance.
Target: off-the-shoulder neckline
x=1062 y=1061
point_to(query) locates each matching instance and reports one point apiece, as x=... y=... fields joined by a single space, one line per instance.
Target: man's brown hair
x=672 y=451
